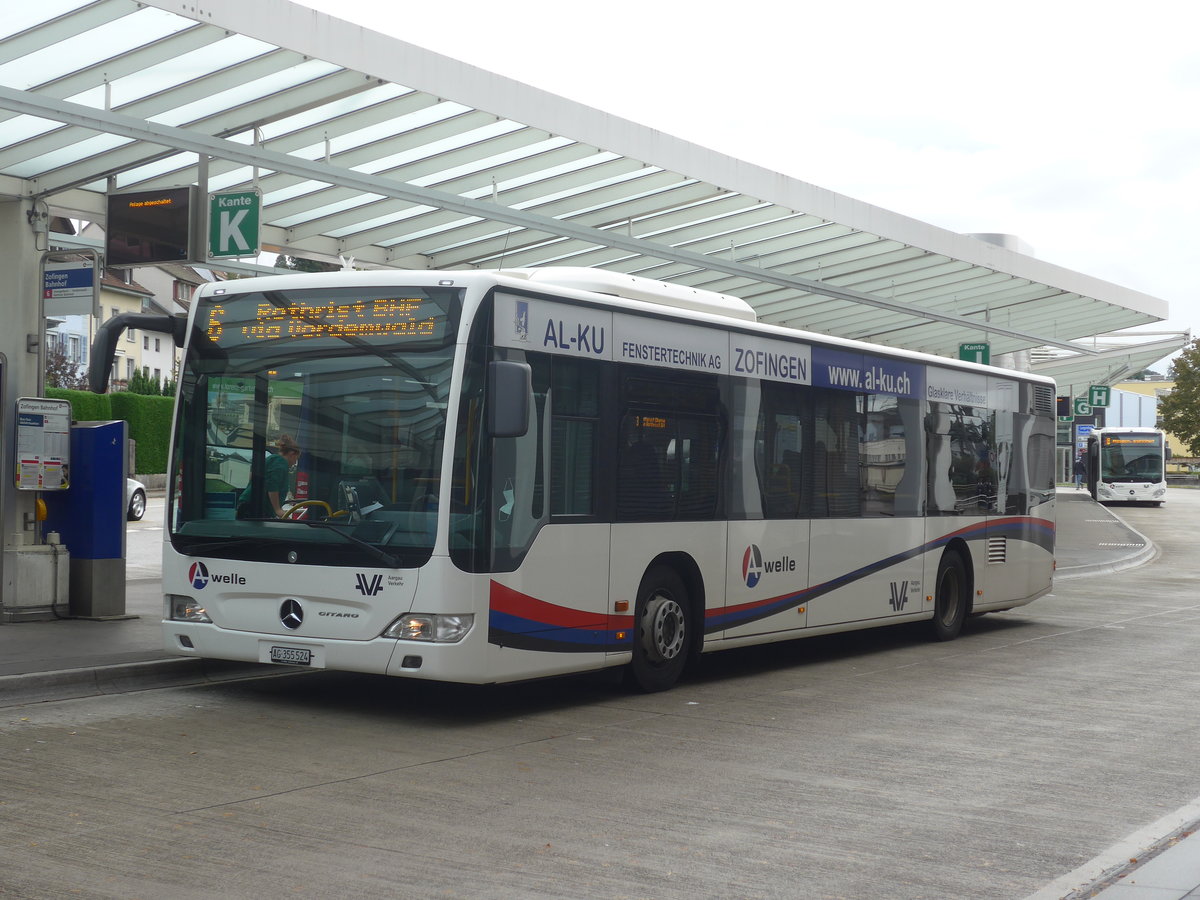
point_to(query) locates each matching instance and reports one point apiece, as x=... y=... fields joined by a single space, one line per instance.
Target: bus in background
x=515 y=474
x=1128 y=465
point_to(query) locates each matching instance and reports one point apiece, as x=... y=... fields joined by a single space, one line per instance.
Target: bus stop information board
x=69 y=288
x=43 y=444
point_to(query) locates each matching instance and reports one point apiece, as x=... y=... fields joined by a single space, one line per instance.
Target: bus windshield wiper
x=382 y=554
x=201 y=548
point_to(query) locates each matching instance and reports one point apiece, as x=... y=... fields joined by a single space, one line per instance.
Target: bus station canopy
x=366 y=147
x=1114 y=358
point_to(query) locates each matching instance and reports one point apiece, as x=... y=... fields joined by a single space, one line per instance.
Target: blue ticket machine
x=90 y=517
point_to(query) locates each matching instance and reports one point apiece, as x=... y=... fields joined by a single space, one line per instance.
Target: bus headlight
x=185 y=609
x=429 y=627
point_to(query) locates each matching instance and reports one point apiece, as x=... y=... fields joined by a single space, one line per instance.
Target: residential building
x=172 y=287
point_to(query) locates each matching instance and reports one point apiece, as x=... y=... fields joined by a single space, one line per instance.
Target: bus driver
x=277 y=479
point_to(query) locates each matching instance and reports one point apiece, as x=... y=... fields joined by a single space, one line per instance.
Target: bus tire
x=662 y=636
x=950 y=597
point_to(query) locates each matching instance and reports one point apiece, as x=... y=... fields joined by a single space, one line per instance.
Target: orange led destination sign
x=1151 y=441
x=392 y=317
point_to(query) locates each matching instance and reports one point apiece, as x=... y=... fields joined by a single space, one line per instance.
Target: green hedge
x=149 y=420
x=85 y=406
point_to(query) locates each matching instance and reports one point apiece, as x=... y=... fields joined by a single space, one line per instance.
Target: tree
x=302 y=264
x=141 y=383
x=61 y=372
x=1180 y=410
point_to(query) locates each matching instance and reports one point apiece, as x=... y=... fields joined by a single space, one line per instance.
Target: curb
x=71 y=684
x=1148 y=552
x=1143 y=556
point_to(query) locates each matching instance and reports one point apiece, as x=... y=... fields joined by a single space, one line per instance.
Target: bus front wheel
x=950 y=597
x=663 y=631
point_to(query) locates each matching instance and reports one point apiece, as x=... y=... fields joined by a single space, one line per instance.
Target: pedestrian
x=1080 y=471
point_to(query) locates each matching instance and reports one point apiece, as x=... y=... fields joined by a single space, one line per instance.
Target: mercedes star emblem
x=291 y=614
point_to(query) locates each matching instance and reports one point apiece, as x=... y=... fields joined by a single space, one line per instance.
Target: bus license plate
x=291 y=656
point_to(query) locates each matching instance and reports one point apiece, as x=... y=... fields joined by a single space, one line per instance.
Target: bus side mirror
x=104 y=345
x=510 y=395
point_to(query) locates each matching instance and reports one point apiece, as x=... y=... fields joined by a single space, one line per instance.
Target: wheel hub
x=663 y=630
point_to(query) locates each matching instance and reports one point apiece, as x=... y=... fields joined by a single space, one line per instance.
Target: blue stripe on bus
x=1038 y=531
x=508 y=630
x=526 y=634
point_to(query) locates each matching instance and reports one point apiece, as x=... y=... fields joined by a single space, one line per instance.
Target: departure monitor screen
x=147 y=227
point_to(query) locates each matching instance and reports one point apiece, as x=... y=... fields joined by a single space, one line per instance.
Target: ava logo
x=198 y=575
x=752 y=566
x=899 y=595
x=368 y=586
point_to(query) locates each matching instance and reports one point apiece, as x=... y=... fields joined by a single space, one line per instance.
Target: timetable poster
x=43 y=444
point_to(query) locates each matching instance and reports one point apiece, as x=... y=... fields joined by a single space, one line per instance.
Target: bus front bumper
x=379 y=656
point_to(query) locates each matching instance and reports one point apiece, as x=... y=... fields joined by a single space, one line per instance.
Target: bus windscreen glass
x=1128 y=457
x=358 y=381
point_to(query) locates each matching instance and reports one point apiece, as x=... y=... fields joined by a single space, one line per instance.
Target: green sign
x=1098 y=395
x=976 y=353
x=233 y=223
x=1082 y=407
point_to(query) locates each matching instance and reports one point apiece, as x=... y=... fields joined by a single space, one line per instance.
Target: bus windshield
x=357 y=381
x=1132 y=457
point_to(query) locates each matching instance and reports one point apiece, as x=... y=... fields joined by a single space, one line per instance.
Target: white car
x=135 y=499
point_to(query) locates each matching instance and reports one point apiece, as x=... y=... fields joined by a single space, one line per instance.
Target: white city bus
x=508 y=475
x=1128 y=465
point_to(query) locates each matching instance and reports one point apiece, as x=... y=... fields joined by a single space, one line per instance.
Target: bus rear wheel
x=663 y=631
x=950 y=597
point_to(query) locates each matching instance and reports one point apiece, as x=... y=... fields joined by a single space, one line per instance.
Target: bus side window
x=641 y=485
x=574 y=427
x=785 y=471
x=836 y=454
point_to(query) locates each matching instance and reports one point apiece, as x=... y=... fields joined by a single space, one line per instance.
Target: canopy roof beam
x=113 y=123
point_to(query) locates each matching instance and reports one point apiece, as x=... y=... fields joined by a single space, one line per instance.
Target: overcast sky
x=1073 y=125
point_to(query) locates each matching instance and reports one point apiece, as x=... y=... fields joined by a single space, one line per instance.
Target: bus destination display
x=1130 y=440
x=243 y=320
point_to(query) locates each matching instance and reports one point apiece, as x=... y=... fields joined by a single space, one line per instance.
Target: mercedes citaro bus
x=1128 y=465
x=514 y=474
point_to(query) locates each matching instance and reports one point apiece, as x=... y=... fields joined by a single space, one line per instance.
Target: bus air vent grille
x=1043 y=399
x=997 y=550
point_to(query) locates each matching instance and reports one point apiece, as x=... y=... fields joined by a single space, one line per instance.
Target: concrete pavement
x=72 y=658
